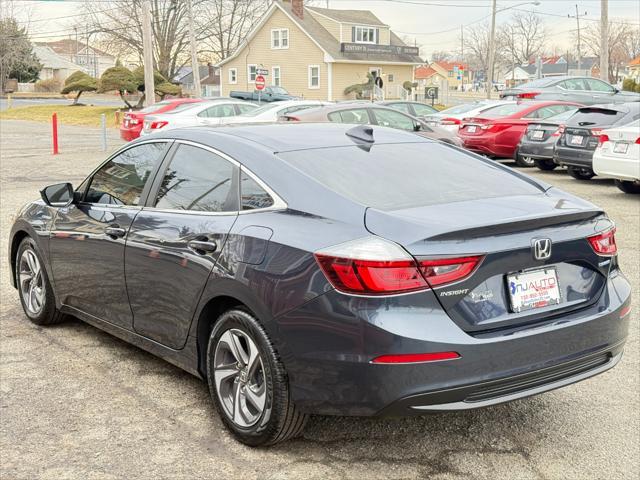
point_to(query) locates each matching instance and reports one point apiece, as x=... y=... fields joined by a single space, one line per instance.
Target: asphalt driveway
x=77 y=403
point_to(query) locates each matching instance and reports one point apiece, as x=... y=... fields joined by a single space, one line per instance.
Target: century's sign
x=371 y=49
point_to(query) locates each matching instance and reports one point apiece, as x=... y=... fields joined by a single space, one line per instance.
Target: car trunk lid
x=502 y=230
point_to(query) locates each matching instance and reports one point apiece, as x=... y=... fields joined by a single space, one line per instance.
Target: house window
x=390 y=77
x=233 y=75
x=251 y=73
x=280 y=38
x=365 y=35
x=275 y=77
x=314 y=76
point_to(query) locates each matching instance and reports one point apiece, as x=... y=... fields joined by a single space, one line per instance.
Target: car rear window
x=504 y=110
x=540 y=82
x=155 y=107
x=595 y=116
x=399 y=176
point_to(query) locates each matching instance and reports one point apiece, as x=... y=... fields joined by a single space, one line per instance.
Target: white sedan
x=208 y=112
x=618 y=156
x=451 y=118
x=272 y=112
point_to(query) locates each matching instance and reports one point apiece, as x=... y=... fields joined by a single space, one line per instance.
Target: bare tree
x=224 y=24
x=476 y=47
x=523 y=37
x=119 y=29
x=623 y=39
x=440 y=55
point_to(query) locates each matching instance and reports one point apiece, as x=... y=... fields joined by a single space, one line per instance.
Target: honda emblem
x=541 y=248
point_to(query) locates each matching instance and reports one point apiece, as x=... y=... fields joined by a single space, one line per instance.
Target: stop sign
x=260 y=82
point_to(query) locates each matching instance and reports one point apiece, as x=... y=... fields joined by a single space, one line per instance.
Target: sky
x=435 y=24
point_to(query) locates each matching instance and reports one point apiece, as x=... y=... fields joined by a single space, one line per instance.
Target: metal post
x=54 y=132
x=9 y=101
x=604 y=40
x=492 y=48
x=194 y=53
x=103 y=129
x=147 y=46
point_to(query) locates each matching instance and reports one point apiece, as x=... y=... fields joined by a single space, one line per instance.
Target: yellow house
x=316 y=53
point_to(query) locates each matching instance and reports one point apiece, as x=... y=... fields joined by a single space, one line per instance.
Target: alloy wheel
x=31 y=282
x=240 y=378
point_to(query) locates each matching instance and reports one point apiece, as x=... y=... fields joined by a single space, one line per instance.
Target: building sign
x=370 y=49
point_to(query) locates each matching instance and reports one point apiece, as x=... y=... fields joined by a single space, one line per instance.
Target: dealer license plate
x=538 y=134
x=576 y=139
x=471 y=129
x=620 y=147
x=533 y=289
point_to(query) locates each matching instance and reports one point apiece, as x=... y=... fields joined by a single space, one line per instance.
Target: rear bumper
x=328 y=344
x=538 y=151
x=616 y=167
x=573 y=157
x=129 y=134
x=486 y=144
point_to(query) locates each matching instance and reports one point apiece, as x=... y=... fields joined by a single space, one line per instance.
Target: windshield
x=561 y=117
x=155 y=107
x=279 y=90
x=378 y=178
x=504 y=110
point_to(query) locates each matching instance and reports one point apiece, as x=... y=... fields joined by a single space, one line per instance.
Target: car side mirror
x=58 y=195
x=417 y=127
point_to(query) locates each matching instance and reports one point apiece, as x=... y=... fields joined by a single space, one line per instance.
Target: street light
x=492 y=40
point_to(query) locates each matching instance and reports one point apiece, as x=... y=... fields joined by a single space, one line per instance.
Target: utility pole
x=492 y=50
x=604 y=40
x=194 y=53
x=87 y=47
x=577 y=17
x=147 y=46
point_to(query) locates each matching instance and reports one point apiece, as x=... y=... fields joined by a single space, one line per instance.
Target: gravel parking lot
x=77 y=403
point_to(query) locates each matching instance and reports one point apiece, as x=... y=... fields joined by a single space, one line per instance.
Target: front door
x=87 y=238
x=176 y=239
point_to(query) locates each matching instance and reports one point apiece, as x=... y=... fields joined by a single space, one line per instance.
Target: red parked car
x=498 y=131
x=132 y=121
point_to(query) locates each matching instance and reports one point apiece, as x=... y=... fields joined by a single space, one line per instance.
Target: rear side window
x=218 y=111
x=182 y=107
x=199 y=180
x=356 y=115
x=423 y=109
x=394 y=119
x=504 y=110
x=399 y=176
x=121 y=180
x=252 y=195
x=573 y=84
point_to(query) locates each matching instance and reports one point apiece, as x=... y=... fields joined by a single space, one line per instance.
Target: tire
x=581 y=173
x=546 y=165
x=628 y=186
x=524 y=161
x=34 y=288
x=230 y=382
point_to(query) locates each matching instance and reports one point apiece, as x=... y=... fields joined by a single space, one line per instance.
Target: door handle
x=202 y=247
x=115 y=231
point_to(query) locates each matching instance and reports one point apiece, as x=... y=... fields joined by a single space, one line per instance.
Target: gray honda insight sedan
x=329 y=269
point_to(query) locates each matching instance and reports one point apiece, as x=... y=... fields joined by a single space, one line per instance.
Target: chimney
x=297 y=7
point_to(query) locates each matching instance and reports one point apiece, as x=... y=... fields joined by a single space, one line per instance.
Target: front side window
x=275 y=74
x=280 y=38
x=359 y=116
x=251 y=73
x=233 y=75
x=121 y=180
x=393 y=119
x=314 y=76
x=365 y=35
x=573 y=84
x=252 y=195
x=598 y=86
x=199 y=180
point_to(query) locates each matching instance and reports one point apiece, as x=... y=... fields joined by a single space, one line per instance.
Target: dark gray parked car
x=329 y=269
x=584 y=90
x=538 y=143
x=583 y=132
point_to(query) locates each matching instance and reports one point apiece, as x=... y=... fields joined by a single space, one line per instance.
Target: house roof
x=50 y=59
x=448 y=66
x=364 y=17
x=328 y=43
x=635 y=62
x=424 y=72
x=68 y=46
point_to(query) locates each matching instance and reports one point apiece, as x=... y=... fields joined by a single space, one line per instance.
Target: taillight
x=597 y=132
x=374 y=266
x=450 y=121
x=528 y=95
x=441 y=271
x=416 y=357
x=495 y=127
x=638 y=140
x=561 y=129
x=604 y=243
x=158 y=124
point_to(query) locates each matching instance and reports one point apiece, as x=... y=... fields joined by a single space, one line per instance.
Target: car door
x=87 y=239
x=575 y=90
x=601 y=92
x=212 y=115
x=176 y=239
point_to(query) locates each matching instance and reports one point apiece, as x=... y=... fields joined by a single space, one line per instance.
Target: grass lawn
x=67 y=114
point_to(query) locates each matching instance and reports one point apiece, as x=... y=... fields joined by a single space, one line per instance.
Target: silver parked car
x=584 y=90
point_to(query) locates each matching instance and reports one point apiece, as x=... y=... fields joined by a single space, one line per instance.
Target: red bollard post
x=54 y=125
